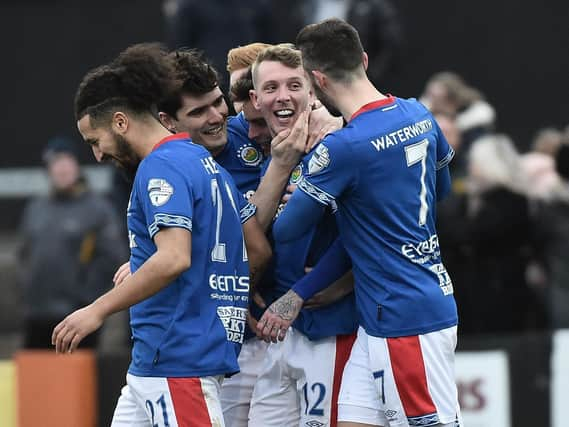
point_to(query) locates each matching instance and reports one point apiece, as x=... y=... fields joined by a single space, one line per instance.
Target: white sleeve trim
x=166 y=220
x=247 y=212
x=316 y=193
x=446 y=160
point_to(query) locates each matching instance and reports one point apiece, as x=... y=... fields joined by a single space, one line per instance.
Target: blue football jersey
x=380 y=173
x=241 y=156
x=291 y=258
x=194 y=326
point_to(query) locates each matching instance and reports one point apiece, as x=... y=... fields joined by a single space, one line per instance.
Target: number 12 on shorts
x=378 y=375
x=315 y=409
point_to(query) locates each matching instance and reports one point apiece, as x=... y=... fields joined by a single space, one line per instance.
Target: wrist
x=101 y=307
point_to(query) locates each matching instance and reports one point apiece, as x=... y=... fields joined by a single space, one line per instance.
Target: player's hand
x=320 y=124
x=288 y=146
x=259 y=300
x=68 y=334
x=251 y=321
x=278 y=317
x=288 y=194
x=122 y=273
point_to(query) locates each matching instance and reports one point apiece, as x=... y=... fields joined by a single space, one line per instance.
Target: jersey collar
x=373 y=105
x=181 y=135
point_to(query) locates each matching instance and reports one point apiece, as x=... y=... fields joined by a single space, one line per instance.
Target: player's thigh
x=177 y=402
x=318 y=367
x=128 y=412
x=413 y=379
x=236 y=391
x=275 y=401
x=359 y=399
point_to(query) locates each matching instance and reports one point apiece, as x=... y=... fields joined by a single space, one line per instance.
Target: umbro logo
x=390 y=413
x=314 y=423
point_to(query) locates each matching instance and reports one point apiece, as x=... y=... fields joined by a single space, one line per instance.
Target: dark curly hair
x=195 y=77
x=137 y=80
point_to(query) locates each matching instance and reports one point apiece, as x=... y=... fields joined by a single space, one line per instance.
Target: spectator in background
x=379 y=27
x=539 y=165
x=497 y=240
x=447 y=93
x=71 y=247
x=215 y=26
x=553 y=225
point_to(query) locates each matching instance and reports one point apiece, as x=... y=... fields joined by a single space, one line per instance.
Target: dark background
x=514 y=52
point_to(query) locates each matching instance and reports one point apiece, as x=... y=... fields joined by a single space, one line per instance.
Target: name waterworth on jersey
x=402 y=135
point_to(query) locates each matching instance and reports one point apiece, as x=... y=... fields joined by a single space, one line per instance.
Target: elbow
x=177 y=264
x=260 y=254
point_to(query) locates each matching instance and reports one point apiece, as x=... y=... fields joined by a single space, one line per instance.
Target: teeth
x=284 y=113
x=214 y=130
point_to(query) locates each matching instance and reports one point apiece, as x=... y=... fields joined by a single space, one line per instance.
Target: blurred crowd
x=504 y=230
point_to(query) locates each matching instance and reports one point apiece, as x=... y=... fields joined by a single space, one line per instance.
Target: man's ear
x=320 y=79
x=254 y=99
x=167 y=121
x=365 y=60
x=120 y=122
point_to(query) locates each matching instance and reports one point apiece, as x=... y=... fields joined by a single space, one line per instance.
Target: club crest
x=250 y=155
x=319 y=160
x=159 y=191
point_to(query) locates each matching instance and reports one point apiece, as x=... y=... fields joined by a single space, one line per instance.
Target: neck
x=146 y=135
x=349 y=98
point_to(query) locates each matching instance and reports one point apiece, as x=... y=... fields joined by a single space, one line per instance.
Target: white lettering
x=229 y=283
x=131 y=240
x=210 y=165
x=402 y=135
x=422 y=252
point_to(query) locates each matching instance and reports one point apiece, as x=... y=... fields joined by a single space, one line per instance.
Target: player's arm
x=172 y=257
x=445 y=154
x=443 y=183
x=286 y=150
x=333 y=265
x=258 y=250
x=301 y=214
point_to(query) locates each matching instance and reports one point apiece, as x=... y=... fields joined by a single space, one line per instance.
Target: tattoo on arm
x=285 y=307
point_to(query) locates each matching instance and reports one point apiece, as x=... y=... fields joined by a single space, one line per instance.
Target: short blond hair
x=243 y=57
x=284 y=53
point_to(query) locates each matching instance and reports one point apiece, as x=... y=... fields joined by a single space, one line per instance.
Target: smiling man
x=188 y=293
x=299 y=380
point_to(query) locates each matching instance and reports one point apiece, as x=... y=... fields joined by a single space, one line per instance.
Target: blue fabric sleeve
x=300 y=215
x=443 y=183
x=333 y=265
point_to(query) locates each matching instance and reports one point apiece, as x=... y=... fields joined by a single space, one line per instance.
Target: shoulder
x=334 y=150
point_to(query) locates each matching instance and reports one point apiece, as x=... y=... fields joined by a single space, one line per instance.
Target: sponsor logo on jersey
x=229 y=283
x=159 y=191
x=250 y=155
x=296 y=175
x=319 y=160
x=444 y=279
x=132 y=240
x=233 y=319
x=422 y=252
